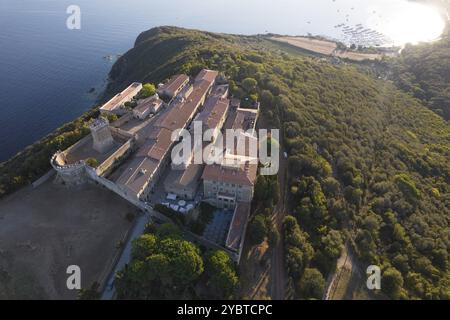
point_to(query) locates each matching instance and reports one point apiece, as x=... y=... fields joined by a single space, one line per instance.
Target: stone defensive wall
x=92 y=174
x=122 y=120
x=121 y=134
x=72 y=174
x=112 y=161
x=78 y=144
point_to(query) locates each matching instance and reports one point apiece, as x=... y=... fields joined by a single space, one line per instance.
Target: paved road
x=138 y=229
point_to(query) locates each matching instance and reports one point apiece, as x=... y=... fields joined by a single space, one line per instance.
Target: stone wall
x=44 y=178
x=73 y=174
x=91 y=173
x=107 y=165
x=121 y=134
x=122 y=120
x=214 y=246
x=78 y=144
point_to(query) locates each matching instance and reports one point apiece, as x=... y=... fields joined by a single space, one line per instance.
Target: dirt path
x=349 y=281
x=255 y=275
x=343 y=264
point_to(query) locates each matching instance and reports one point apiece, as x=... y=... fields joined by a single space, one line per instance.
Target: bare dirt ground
x=328 y=48
x=255 y=271
x=348 y=282
x=358 y=56
x=314 y=45
x=44 y=230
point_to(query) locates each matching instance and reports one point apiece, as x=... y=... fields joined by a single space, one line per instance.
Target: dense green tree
x=423 y=71
x=223 y=279
x=169 y=230
x=311 y=284
x=249 y=85
x=331 y=187
x=332 y=245
x=148 y=90
x=258 y=229
x=299 y=252
x=261 y=188
x=161 y=267
x=294 y=262
x=92 y=162
x=392 y=282
x=274 y=237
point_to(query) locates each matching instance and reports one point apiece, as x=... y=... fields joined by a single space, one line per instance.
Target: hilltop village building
x=232 y=181
x=117 y=103
x=130 y=155
x=147 y=106
x=172 y=88
x=184 y=179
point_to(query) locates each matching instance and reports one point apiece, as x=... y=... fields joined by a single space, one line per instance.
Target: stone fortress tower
x=101 y=135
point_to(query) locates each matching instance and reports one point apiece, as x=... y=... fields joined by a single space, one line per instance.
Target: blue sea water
x=47 y=70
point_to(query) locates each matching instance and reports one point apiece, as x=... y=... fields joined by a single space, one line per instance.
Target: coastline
x=32 y=162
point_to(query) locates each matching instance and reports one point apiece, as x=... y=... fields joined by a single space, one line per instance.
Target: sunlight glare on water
x=408 y=22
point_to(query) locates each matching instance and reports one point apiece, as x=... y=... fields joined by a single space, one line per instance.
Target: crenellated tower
x=101 y=135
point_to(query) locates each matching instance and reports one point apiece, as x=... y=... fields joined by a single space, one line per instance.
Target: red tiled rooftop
x=237 y=227
x=174 y=83
x=148 y=103
x=157 y=139
x=111 y=104
x=157 y=145
x=208 y=75
x=213 y=111
x=179 y=115
x=244 y=174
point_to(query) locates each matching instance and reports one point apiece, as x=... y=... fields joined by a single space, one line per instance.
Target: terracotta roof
x=157 y=145
x=143 y=105
x=208 y=75
x=234 y=121
x=220 y=90
x=213 y=111
x=187 y=178
x=245 y=119
x=182 y=112
x=174 y=83
x=137 y=174
x=237 y=227
x=244 y=174
x=146 y=160
x=156 y=140
x=241 y=171
x=118 y=98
